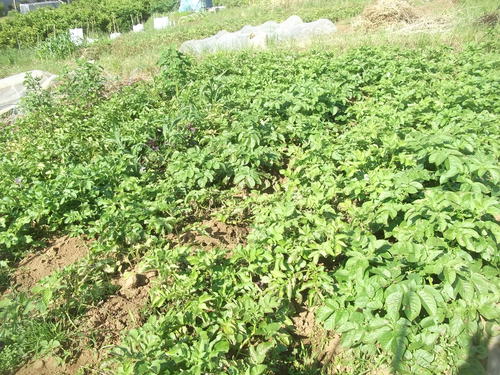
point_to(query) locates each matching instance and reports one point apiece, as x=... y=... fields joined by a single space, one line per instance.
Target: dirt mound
x=63 y=252
x=119 y=312
x=212 y=234
x=54 y=366
x=45 y=366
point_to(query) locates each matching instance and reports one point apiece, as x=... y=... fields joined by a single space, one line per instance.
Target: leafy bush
x=82 y=86
x=92 y=15
x=56 y=46
x=36 y=98
x=164 y=6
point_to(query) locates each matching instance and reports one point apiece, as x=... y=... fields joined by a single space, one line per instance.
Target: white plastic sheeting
x=12 y=88
x=216 y=9
x=291 y=30
x=76 y=36
x=26 y=8
x=138 y=28
x=113 y=36
x=161 y=23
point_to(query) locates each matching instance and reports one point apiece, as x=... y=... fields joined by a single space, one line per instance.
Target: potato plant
x=369 y=181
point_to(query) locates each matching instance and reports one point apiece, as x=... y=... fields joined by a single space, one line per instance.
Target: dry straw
x=386 y=12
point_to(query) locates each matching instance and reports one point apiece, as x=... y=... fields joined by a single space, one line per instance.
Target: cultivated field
x=329 y=208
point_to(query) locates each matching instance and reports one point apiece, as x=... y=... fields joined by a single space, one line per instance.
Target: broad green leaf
x=423 y=357
x=376 y=334
x=222 y=346
x=428 y=301
x=257 y=370
x=258 y=353
x=490 y=310
x=449 y=274
x=438 y=157
x=412 y=305
x=393 y=304
x=352 y=337
x=465 y=289
x=386 y=340
x=456 y=325
x=326 y=311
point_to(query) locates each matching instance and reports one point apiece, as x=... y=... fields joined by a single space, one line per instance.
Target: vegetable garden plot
x=368 y=183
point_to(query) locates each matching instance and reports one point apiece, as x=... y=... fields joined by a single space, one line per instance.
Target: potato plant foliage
x=369 y=181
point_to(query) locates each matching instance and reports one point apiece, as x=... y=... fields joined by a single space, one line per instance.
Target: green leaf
x=376 y=334
x=222 y=346
x=428 y=301
x=456 y=325
x=326 y=311
x=258 y=353
x=438 y=157
x=412 y=305
x=393 y=304
x=351 y=338
x=423 y=357
x=465 y=289
x=490 y=311
x=257 y=370
x=386 y=340
x=449 y=274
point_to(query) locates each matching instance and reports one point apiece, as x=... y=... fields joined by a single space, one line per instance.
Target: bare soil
x=101 y=326
x=325 y=346
x=120 y=312
x=214 y=234
x=46 y=366
x=34 y=267
x=53 y=366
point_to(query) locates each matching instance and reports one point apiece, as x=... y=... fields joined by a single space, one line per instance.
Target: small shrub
x=36 y=99
x=57 y=46
x=174 y=70
x=83 y=85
